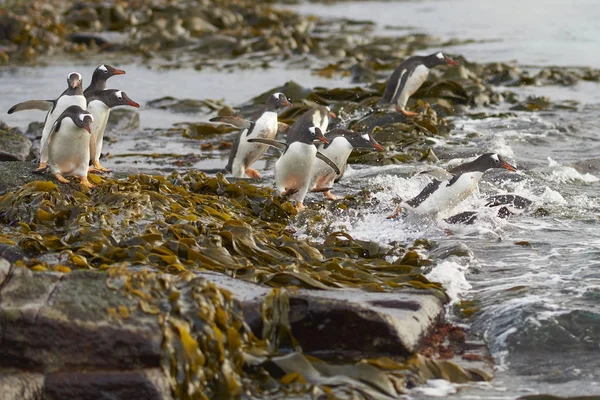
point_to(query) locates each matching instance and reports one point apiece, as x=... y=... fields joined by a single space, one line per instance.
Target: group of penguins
x=73 y=131
x=312 y=158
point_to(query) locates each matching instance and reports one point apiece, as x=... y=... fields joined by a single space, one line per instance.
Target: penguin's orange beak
x=286 y=103
x=377 y=146
x=118 y=72
x=88 y=128
x=133 y=103
x=508 y=166
x=451 y=61
x=332 y=114
x=323 y=139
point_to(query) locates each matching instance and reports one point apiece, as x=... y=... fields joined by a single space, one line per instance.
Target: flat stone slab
x=13 y=146
x=346 y=320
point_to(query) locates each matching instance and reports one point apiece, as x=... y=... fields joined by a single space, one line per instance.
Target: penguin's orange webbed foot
x=43 y=167
x=330 y=195
x=396 y=213
x=61 y=178
x=406 y=113
x=252 y=173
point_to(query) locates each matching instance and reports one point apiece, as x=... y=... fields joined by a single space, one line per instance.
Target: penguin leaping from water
x=440 y=196
x=408 y=78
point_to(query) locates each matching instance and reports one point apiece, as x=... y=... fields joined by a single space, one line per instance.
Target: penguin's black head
x=277 y=101
x=120 y=98
x=106 y=71
x=489 y=161
x=84 y=120
x=433 y=60
x=315 y=132
x=325 y=110
x=74 y=80
x=363 y=141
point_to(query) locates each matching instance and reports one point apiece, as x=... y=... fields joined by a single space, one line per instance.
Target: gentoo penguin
x=317 y=116
x=99 y=103
x=445 y=195
x=72 y=96
x=100 y=76
x=508 y=204
x=68 y=145
x=262 y=125
x=341 y=144
x=408 y=78
x=293 y=170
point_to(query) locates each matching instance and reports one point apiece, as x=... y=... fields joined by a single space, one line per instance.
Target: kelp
x=191 y=222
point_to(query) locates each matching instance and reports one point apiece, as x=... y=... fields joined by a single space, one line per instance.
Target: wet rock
x=101 y=336
x=22 y=386
x=370 y=323
x=16 y=173
x=123 y=120
x=14 y=146
x=186 y=106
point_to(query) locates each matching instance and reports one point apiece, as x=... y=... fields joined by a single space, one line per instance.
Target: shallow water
x=539 y=303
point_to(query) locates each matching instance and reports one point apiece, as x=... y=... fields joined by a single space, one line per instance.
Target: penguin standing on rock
x=293 y=170
x=68 y=145
x=72 y=96
x=264 y=125
x=408 y=78
x=439 y=196
x=99 y=103
x=341 y=144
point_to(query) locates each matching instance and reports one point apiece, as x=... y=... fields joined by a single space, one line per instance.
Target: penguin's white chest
x=247 y=152
x=100 y=112
x=62 y=104
x=293 y=170
x=338 y=152
x=69 y=150
x=445 y=198
x=413 y=83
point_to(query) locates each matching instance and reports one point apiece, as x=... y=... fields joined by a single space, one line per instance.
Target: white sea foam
x=452 y=276
x=562 y=174
x=436 y=388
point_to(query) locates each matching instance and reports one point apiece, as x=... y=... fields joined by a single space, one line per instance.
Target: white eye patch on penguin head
x=440 y=56
x=84 y=116
x=103 y=69
x=119 y=94
x=495 y=158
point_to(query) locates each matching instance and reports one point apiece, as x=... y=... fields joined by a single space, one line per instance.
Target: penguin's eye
x=496 y=161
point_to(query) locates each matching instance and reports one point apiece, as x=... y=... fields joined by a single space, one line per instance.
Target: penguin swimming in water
x=68 y=145
x=263 y=125
x=440 y=196
x=293 y=170
x=99 y=103
x=407 y=78
x=341 y=144
x=72 y=96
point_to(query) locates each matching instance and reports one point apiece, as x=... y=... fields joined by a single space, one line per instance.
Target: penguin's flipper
x=42 y=105
x=282 y=127
x=55 y=128
x=238 y=122
x=328 y=161
x=270 y=142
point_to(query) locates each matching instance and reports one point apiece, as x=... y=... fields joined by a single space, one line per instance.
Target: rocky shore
x=191 y=285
